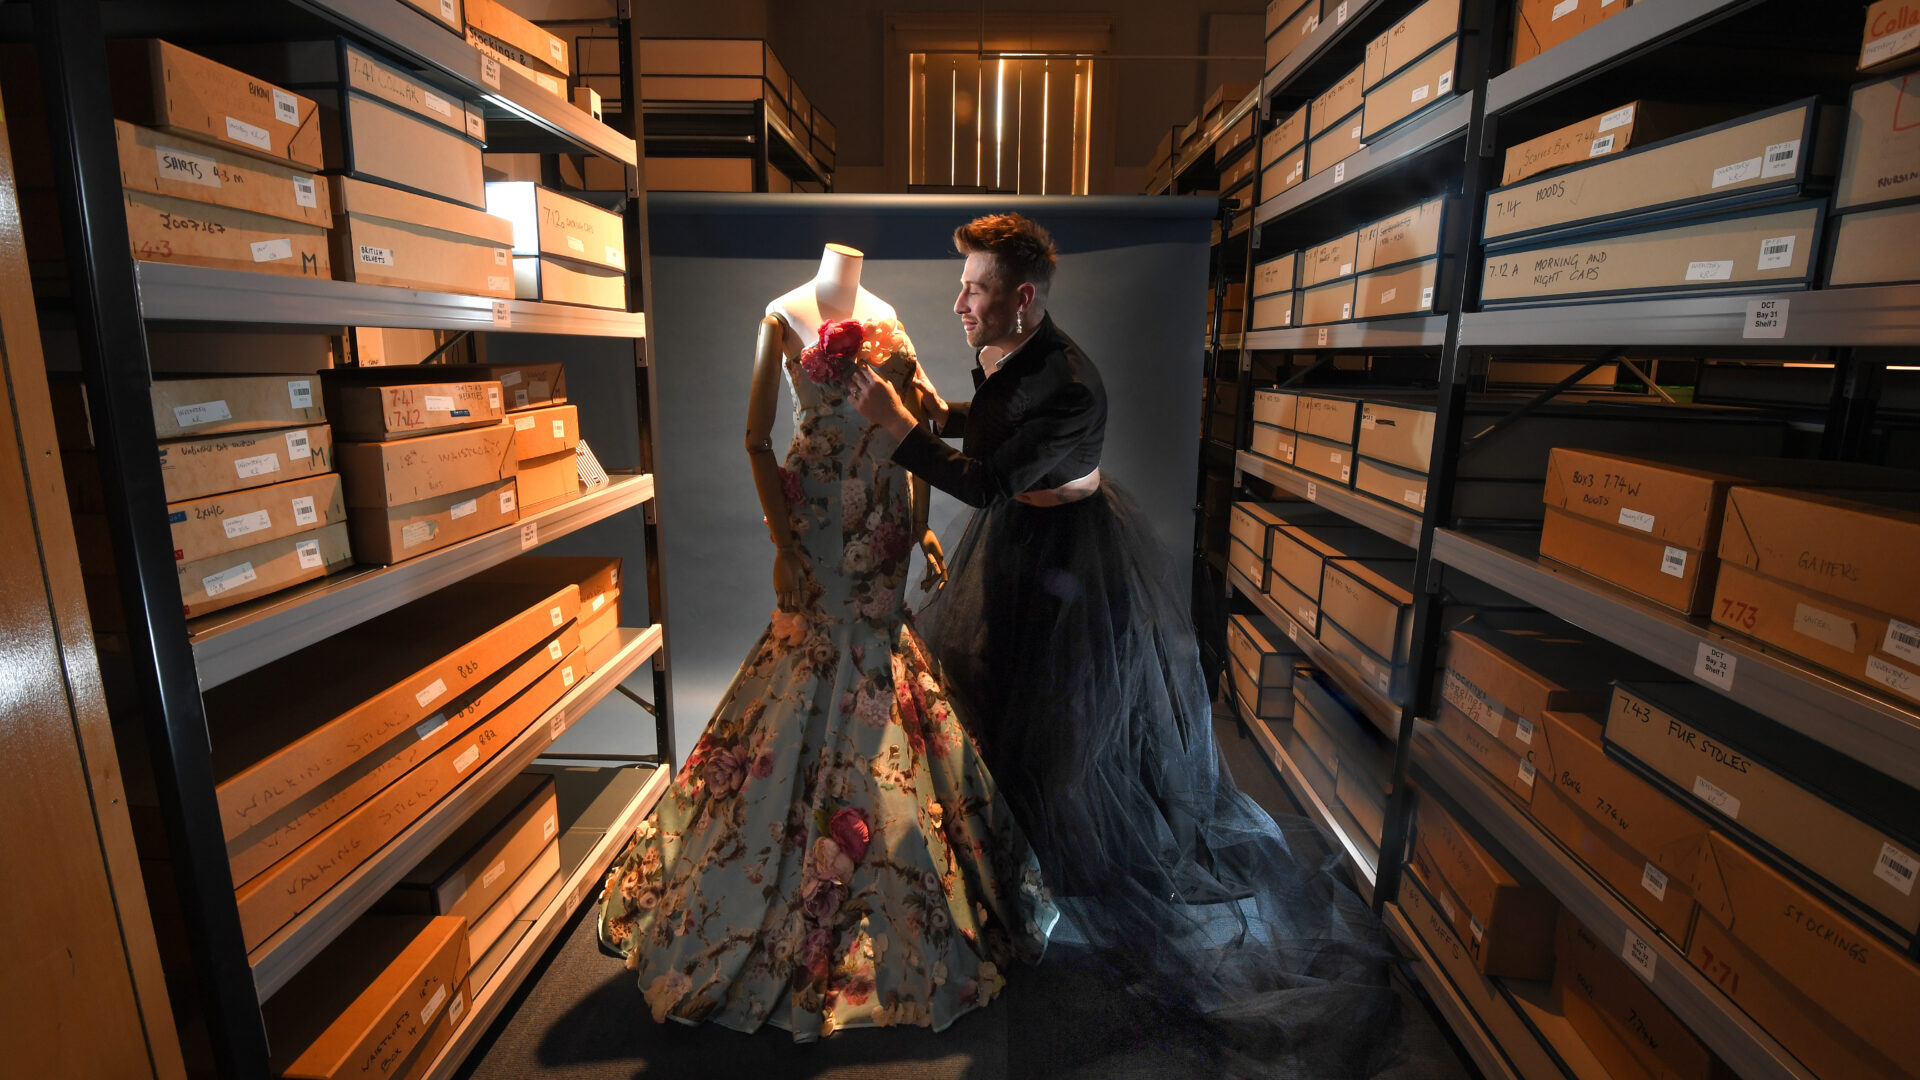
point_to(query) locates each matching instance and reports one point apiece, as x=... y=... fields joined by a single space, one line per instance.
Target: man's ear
x=1025 y=294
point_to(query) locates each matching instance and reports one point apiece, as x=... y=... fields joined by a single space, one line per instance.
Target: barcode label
x=1896 y=868
x=298 y=447
x=430 y=725
x=286 y=108
x=1776 y=252
x=1523 y=729
x=1654 y=881
x=1781 y=159
x=304 y=512
x=309 y=553
x=1717 y=797
x=447 y=10
x=300 y=393
x=1601 y=145
x=1527 y=772
x=555 y=615
x=1902 y=640
x=1674 y=562
x=303 y=192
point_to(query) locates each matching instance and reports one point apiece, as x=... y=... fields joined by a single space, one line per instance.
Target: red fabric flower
x=792 y=486
x=829 y=360
x=890 y=541
x=850 y=830
x=840 y=338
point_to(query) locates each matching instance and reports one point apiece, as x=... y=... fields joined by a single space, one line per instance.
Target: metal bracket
x=1527 y=408
x=637 y=699
x=438 y=355
x=1652 y=387
x=1319 y=362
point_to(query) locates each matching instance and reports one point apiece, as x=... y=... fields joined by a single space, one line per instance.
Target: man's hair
x=1021 y=249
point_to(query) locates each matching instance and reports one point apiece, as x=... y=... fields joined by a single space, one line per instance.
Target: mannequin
x=792 y=321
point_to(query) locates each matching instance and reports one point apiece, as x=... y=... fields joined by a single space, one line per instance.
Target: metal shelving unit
x=228 y=644
x=1719 y=1023
x=1333 y=33
x=1392 y=523
x=1360 y=854
x=1433 y=130
x=1384 y=714
x=1604 y=46
x=1848 y=317
x=733 y=129
x=1446 y=997
x=1401 y=332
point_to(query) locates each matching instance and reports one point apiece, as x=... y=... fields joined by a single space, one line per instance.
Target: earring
x=1019 y=320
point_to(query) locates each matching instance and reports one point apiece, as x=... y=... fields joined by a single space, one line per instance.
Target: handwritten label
x=309 y=554
x=493 y=874
x=304 y=193
x=1890 y=45
x=286 y=108
x=1710 y=270
x=1565 y=8
x=1765 y=319
x=430 y=725
x=1617 y=118
x=489 y=67
x=576 y=244
x=242 y=524
x=1323 y=335
x=1673 y=562
x=1639 y=955
x=523 y=423
x=1654 y=880
x=418 y=533
x=242 y=132
x=304 y=512
x=1835 y=630
x=1635 y=519
x=1715 y=665
x=502 y=313
x=462 y=509
x=1340 y=173
x=205 y=412
x=1737 y=173
x=229 y=579
x=529 y=535
x=1896 y=679
x=499 y=283
x=186 y=168
x=1896 y=868
x=258 y=465
x=1717 y=797
x=430 y=693
x=439 y=403
x=437 y=103
x=466 y=759
x=1902 y=640
x=376 y=256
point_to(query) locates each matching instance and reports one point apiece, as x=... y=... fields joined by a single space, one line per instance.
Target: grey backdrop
x=1130 y=291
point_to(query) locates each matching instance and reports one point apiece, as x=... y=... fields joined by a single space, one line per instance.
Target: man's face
x=986 y=305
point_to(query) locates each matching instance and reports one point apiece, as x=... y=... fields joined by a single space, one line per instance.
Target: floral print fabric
x=832 y=854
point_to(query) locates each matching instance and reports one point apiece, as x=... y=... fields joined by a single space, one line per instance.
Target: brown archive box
x=1858 y=642
x=1857 y=547
x=1280 y=11
x=598 y=576
x=1329 y=303
x=283 y=833
x=559 y=281
x=380 y=409
x=1506 y=918
x=1281 y=408
x=1421 y=85
x=195 y=407
x=1272 y=312
x=214 y=525
x=1780 y=149
x=1404 y=290
x=528 y=385
x=384 y=474
x=1372 y=601
x=233 y=577
x=367 y=1001
x=1413 y=233
x=499 y=22
x=1870 y=247
x=1327 y=416
x=432 y=653
x=1252 y=641
x=1339 y=143
x=1396 y=434
x=544 y=479
x=1892 y=33
x=161 y=228
x=1252 y=524
x=164 y=86
x=445 y=12
x=1772 y=247
x=159 y=163
x=1632 y=125
x=385 y=236
x=192 y=468
x=291 y=885
x=1540 y=25
x=1288 y=134
x=388 y=535
x=1592 y=972
x=1428 y=25
x=1302 y=549
x=540 y=432
x=476 y=866
x=1514 y=771
x=1342 y=99
x=1324 y=458
x=1337 y=258
x=440 y=1031
x=520 y=63
x=1242 y=558
x=1762 y=778
x=1360 y=795
x=1275 y=275
x=1283 y=173
x=1272 y=443
x=546 y=222
x=1292 y=33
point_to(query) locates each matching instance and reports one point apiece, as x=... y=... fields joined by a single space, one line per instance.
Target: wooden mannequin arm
x=768 y=356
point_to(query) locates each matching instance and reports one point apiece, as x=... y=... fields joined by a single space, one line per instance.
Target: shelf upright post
x=1477 y=176
x=106 y=302
x=640 y=298
x=1857 y=376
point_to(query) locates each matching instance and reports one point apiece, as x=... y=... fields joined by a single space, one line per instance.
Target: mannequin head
x=1004 y=284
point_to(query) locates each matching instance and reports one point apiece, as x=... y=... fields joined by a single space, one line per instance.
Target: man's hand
x=879 y=402
x=931 y=402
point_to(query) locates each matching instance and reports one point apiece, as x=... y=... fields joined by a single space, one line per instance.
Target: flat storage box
x=159 y=163
x=1892 y=33
x=548 y=223
x=544 y=479
x=1506 y=917
x=699 y=174
x=1260 y=647
x=1327 y=416
x=193 y=468
x=234 y=577
x=1870 y=247
x=1288 y=134
x=384 y=236
x=370 y=411
x=1279 y=11
x=1516 y=772
x=715 y=57
x=1426 y=26
x=1857 y=547
x=1411 y=234
x=161 y=228
x=387 y=535
x=1859 y=642
x=1253 y=523
x=1590 y=973
x=1243 y=559
x=1283 y=173
x=540 y=432
x=1301 y=550
x=1224 y=98
x=1342 y=99
x=1852 y=827
x=1424 y=83
x=1408 y=289
x=214 y=525
x=363 y=1006
x=1361 y=795
x=218 y=406
x=1273 y=312
x=520 y=63
x=1768 y=156
x=164 y=86
x=529 y=385
x=563 y=281
x=535 y=46
x=1324 y=458
x=1341 y=141
x=1292 y=33
x=1335 y=259
x=1774 y=247
x=1615 y=131
x=448 y=13
x=1372 y=600
x=1540 y=25
x=1329 y=303
x=1274 y=276
x=598 y=576
x=474 y=868
x=403 y=471
x=1397 y=433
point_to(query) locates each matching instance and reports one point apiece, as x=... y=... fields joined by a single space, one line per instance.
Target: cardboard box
x=216 y=524
x=1372 y=600
x=1272 y=312
x=544 y=431
x=1794 y=794
x=1240 y=134
x=1514 y=771
x=1311 y=734
x=328 y=68
x=561 y=281
x=587 y=100
x=499 y=22
x=440 y=1031
x=1272 y=443
x=1428 y=25
x=1632 y=125
x=1405 y=290
x=368 y=411
x=1858 y=642
x=1413 y=233
x=1341 y=142
x=1772 y=247
x=1663 y=899
x=507 y=56
x=1288 y=134
x=431 y=654
x=1327 y=416
x=475 y=867
x=1275 y=275
x=158 y=163
x=290 y=886
x=1778 y=150
x=1855 y=547
x=1593 y=973
x=1329 y=303
x=598 y=576
x=1675 y=577
x=1397 y=434
x=161 y=228
x=1540 y=25
x=544 y=479
x=445 y=12
x=282 y=833
x=1265 y=702
x=1301 y=552
x=164 y=86
x=1337 y=258
x=1506 y=671
x=1252 y=524
x=1506 y=918
x=1892 y=33
x=1868 y=247
x=546 y=222
x=1224 y=97
x=234 y=577
x=1402 y=488
x=1420 y=86
x=493 y=924
x=1361 y=794
x=404 y=471
x=1341 y=100
x=1323 y=457
x=1242 y=558
x=1284 y=172
x=383 y=536
x=600 y=626
x=384 y=236
x=699 y=174
x=529 y=385
x=364 y=1005
x=217 y=406
x=1279 y=11
x=1262 y=649
x=1292 y=33
x=374 y=346
x=194 y=468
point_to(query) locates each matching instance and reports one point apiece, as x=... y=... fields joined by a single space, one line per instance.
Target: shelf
x=580 y=884
x=1721 y=1025
x=278 y=958
x=1876 y=315
x=1453 y=1008
x=1413 y=331
x=229 y=644
x=1383 y=714
x=729 y=129
x=1307 y=54
x=1874 y=731
x=1438 y=126
x=1605 y=45
x=1387 y=521
x=1361 y=861
x=170 y=292
x=1206 y=142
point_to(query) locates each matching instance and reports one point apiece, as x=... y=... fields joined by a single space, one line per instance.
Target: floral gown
x=833 y=854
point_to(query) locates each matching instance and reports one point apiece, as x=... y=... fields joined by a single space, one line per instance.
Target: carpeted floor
x=582 y=1018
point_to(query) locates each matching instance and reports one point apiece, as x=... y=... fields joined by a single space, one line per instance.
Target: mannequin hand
x=789 y=570
x=936 y=575
x=931 y=402
x=879 y=402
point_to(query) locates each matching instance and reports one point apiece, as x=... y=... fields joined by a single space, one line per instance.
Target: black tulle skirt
x=1076 y=666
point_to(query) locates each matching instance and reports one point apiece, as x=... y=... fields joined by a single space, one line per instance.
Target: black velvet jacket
x=1037 y=423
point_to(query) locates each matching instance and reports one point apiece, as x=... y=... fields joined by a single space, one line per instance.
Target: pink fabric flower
x=789 y=627
x=817 y=951
x=890 y=541
x=840 y=338
x=726 y=770
x=851 y=831
x=792 y=485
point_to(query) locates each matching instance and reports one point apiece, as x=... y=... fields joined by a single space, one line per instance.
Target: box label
x=553 y=650
x=376 y=256
x=186 y=168
x=493 y=874
x=258 y=465
x=1387 y=298
x=489 y=67
x=466 y=759
x=529 y=535
x=1896 y=868
x=1654 y=880
x=1891 y=45
x=559 y=429
x=1781 y=159
x=243 y=132
x=286 y=108
x=417 y=533
x=616 y=257
x=1446 y=81
x=437 y=103
x=523 y=423
x=549 y=828
x=433 y=1004
x=272 y=250
x=430 y=693
x=1710 y=270
x=574 y=243
x=506 y=503
x=1601 y=145
x=599 y=601
x=205 y=412
x=462 y=509
x=457 y=1009
x=566 y=675
x=1565 y=8
x=303 y=192
x=1639 y=955
x=476 y=127
x=1616 y=118
x=1826 y=626
x=298 y=446
x=430 y=725
x=231 y=578
x=1902 y=640
x=1635 y=519
x=1766 y=319
x=554 y=615
x=556 y=727
x=1339 y=176
x=493 y=397
x=1446 y=905
x=304 y=512
x=439 y=403
x=243 y=524
x=1473 y=702
x=1527 y=771
x=499 y=282
x=1717 y=797
x=309 y=553
x=1900 y=681
x=1715 y=665
x=1674 y=562
x=1419 y=93
x=1776 y=252
x=1737 y=173
x=502 y=313
x=300 y=393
